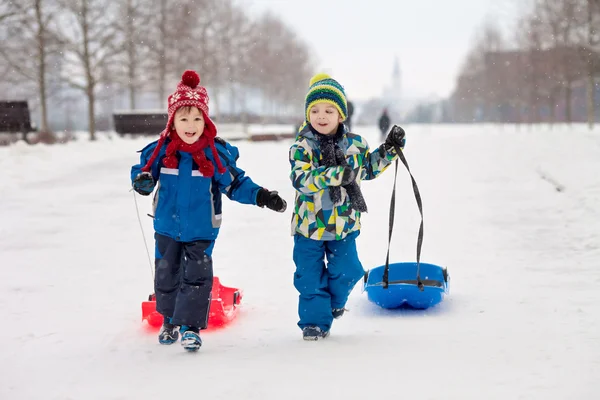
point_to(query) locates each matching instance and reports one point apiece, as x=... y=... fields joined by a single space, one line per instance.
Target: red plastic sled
x=223 y=307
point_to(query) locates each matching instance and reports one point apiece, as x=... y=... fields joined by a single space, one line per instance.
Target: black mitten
x=272 y=200
x=395 y=138
x=143 y=183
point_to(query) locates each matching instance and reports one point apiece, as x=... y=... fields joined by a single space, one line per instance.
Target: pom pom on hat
x=190 y=78
x=318 y=77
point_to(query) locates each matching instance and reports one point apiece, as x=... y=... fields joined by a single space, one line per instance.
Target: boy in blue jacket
x=191 y=168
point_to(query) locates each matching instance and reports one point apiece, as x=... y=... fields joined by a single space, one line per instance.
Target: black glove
x=348 y=176
x=143 y=183
x=395 y=138
x=270 y=199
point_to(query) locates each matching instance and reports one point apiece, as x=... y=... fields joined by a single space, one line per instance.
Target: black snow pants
x=183 y=280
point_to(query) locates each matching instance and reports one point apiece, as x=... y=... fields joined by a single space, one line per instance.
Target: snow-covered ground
x=514 y=215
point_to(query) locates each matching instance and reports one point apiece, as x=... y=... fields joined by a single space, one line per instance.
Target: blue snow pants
x=183 y=280
x=321 y=287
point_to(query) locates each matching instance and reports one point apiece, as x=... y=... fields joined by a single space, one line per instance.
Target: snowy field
x=513 y=214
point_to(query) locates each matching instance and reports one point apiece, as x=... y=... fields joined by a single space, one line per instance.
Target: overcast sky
x=356 y=41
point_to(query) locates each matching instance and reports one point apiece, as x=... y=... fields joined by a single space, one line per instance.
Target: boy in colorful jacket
x=328 y=164
x=191 y=168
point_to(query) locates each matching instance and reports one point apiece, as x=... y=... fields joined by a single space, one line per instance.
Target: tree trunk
x=591 y=106
x=568 y=100
x=91 y=116
x=215 y=102
x=41 y=66
x=88 y=72
x=591 y=89
x=552 y=104
x=132 y=61
x=132 y=75
x=162 y=56
x=232 y=99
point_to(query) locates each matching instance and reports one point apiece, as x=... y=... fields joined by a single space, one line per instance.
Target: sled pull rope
x=137 y=212
x=391 y=222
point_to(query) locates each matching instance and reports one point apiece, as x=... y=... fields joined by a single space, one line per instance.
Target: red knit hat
x=188 y=93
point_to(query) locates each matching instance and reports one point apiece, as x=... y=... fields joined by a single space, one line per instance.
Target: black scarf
x=333 y=156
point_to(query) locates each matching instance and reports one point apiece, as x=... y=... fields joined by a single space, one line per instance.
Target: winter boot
x=190 y=338
x=338 y=312
x=168 y=333
x=314 y=333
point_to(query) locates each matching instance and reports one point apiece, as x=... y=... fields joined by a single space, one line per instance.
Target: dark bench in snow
x=15 y=119
x=140 y=122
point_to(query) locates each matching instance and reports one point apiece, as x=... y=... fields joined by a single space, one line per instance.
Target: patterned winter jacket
x=315 y=216
x=187 y=205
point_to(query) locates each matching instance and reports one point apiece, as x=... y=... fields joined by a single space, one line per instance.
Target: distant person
x=384 y=122
x=328 y=164
x=350 y=113
x=192 y=168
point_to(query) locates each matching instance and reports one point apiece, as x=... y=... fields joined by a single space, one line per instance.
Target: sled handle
x=391 y=222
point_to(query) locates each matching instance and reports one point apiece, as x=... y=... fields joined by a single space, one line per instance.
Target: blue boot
x=314 y=333
x=190 y=338
x=338 y=312
x=168 y=333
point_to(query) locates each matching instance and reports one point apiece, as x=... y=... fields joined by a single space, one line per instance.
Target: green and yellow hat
x=323 y=88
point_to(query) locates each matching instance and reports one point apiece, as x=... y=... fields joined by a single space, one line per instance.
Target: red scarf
x=205 y=166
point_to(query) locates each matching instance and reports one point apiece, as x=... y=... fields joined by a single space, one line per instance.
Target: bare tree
x=281 y=65
x=134 y=27
x=588 y=35
x=593 y=42
x=108 y=48
x=29 y=21
x=529 y=39
x=211 y=37
x=479 y=87
x=90 y=40
x=170 y=40
x=134 y=43
x=558 y=21
x=160 y=41
x=232 y=45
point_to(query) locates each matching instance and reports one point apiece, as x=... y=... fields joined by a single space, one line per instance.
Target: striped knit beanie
x=324 y=88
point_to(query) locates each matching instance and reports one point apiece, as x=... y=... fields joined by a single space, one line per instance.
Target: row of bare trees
x=143 y=46
x=548 y=71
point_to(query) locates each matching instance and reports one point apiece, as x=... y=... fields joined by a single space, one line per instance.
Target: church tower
x=396 y=79
x=392 y=94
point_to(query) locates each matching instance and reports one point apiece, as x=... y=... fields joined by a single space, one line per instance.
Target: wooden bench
x=139 y=122
x=14 y=119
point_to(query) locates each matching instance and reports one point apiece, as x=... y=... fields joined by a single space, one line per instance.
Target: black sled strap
x=386 y=270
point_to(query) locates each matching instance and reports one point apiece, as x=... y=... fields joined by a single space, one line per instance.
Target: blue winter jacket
x=187 y=205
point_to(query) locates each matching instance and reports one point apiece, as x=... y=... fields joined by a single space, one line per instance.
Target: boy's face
x=189 y=124
x=325 y=118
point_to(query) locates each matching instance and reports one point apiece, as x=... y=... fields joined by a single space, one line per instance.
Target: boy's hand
x=143 y=183
x=270 y=199
x=395 y=138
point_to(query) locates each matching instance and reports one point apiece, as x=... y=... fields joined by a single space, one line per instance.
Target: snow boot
x=168 y=333
x=190 y=338
x=314 y=333
x=338 y=312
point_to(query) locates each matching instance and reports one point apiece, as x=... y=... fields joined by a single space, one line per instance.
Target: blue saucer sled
x=403 y=290
x=414 y=285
